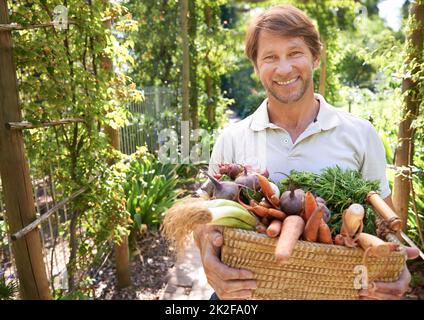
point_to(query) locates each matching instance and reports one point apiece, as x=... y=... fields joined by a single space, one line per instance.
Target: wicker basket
x=315 y=271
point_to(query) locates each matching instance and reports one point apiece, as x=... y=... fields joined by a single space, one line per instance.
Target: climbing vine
x=77 y=72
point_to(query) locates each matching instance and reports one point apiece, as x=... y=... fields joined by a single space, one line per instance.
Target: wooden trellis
x=14 y=170
x=18 y=195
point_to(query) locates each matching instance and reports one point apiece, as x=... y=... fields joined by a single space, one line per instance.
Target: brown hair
x=284 y=20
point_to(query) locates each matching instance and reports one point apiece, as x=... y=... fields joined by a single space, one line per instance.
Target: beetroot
x=292 y=201
x=327 y=212
x=223 y=190
x=248 y=180
x=233 y=170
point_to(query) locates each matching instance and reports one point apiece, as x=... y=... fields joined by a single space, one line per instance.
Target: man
x=292 y=129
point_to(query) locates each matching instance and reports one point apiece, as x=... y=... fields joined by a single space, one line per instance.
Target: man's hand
x=391 y=290
x=228 y=283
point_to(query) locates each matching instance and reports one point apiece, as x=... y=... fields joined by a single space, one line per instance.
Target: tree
x=159 y=55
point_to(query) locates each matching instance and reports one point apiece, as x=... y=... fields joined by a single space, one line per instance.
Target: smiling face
x=285 y=66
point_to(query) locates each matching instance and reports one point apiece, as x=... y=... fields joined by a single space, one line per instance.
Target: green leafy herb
x=339 y=188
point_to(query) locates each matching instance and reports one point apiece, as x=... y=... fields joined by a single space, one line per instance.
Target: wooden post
x=410 y=110
x=121 y=250
x=14 y=170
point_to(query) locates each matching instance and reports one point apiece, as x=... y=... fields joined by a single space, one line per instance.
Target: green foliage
x=339 y=188
x=244 y=88
x=158 y=53
x=187 y=173
x=331 y=17
x=150 y=189
x=416 y=219
x=77 y=73
x=76 y=295
x=3 y=233
x=9 y=288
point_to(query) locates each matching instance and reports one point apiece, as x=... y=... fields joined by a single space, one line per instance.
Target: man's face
x=285 y=66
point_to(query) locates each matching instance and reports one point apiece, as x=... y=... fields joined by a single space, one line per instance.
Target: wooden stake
x=46 y=215
x=28 y=125
x=121 y=250
x=14 y=170
x=15 y=26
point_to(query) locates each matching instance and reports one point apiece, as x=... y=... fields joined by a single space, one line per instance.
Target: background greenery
x=93 y=72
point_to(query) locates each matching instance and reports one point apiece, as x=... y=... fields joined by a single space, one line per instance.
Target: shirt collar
x=327 y=117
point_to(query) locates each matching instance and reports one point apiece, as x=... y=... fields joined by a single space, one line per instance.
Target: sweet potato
x=274 y=228
x=290 y=232
x=375 y=245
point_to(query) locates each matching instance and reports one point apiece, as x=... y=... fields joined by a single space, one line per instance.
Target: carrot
x=280 y=215
x=268 y=192
x=265 y=203
x=312 y=225
x=324 y=233
x=310 y=205
x=375 y=245
x=260 y=211
x=274 y=228
x=290 y=232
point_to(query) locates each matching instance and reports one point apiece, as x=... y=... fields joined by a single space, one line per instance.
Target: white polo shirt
x=335 y=138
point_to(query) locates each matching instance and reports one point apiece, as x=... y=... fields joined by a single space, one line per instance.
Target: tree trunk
x=404 y=150
x=192 y=29
x=323 y=72
x=14 y=171
x=186 y=61
x=209 y=85
x=210 y=103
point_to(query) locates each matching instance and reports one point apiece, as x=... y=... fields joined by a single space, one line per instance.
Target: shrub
x=151 y=188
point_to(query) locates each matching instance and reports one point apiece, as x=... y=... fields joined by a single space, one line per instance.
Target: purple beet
x=292 y=201
x=248 y=180
x=233 y=170
x=223 y=190
x=327 y=212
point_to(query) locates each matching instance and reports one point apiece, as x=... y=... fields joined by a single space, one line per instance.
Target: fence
x=158 y=111
x=154 y=113
x=55 y=250
x=148 y=117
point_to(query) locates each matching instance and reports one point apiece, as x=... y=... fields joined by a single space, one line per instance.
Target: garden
x=109 y=110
